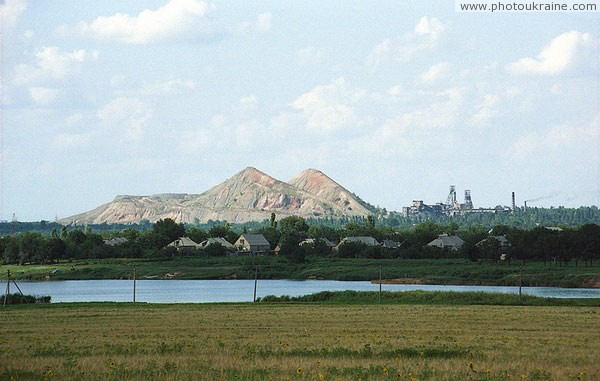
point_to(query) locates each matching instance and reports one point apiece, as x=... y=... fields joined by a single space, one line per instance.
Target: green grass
x=311 y=341
x=430 y=298
x=429 y=271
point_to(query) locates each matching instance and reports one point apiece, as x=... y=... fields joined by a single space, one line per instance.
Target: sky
x=394 y=100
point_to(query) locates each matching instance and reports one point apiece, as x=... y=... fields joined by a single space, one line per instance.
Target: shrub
x=24 y=299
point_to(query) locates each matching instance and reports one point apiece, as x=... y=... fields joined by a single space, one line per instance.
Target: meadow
x=298 y=341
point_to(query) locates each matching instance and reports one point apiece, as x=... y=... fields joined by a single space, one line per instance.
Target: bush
x=24 y=299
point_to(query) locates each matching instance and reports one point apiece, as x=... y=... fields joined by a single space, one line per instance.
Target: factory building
x=451 y=208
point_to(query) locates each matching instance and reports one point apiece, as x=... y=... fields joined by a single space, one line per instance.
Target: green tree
x=293 y=230
x=76 y=236
x=370 y=222
x=320 y=231
x=219 y=231
x=31 y=248
x=169 y=228
x=294 y=225
x=490 y=249
x=351 y=250
x=196 y=234
x=271 y=234
x=55 y=248
x=11 y=251
x=215 y=250
x=164 y=232
x=471 y=251
x=223 y=231
x=353 y=229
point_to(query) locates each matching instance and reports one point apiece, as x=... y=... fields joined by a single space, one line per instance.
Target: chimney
x=514 y=202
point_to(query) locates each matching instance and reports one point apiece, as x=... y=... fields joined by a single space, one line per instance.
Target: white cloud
x=29 y=34
x=261 y=24
x=170 y=87
x=556 y=57
x=247 y=135
x=405 y=47
x=327 y=108
x=52 y=64
x=249 y=103
x=242 y=136
x=487 y=109
x=43 y=95
x=117 y=80
x=173 y=19
x=496 y=104
x=395 y=90
x=435 y=73
x=74 y=119
x=127 y=115
x=69 y=141
x=310 y=55
x=413 y=132
x=431 y=27
x=10 y=11
x=562 y=138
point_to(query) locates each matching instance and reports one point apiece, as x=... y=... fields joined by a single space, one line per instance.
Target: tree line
x=523 y=218
x=559 y=246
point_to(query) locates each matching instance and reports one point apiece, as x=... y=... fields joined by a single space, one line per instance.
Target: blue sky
x=394 y=100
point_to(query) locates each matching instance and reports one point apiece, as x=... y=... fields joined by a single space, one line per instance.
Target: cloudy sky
x=395 y=100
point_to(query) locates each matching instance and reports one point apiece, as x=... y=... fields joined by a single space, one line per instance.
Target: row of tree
x=523 y=218
x=550 y=245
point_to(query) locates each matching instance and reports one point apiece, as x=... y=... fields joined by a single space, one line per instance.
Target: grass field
x=110 y=341
x=431 y=271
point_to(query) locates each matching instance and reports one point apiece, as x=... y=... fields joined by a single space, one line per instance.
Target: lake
x=206 y=291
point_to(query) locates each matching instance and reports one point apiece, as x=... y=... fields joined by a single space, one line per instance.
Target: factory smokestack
x=514 y=202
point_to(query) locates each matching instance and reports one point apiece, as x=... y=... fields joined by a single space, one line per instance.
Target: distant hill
x=250 y=195
x=319 y=184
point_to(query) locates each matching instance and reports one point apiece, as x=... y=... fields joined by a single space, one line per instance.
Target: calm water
x=203 y=291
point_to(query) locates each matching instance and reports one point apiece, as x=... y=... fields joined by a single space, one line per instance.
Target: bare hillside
x=250 y=195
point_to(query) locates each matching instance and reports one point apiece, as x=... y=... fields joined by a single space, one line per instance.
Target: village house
x=184 y=244
x=369 y=241
x=389 y=244
x=503 y=244
x=116 y=241
x=256 y=244
x=221 y=241
x=445 y=241
x=312 y=241
x=502 y=240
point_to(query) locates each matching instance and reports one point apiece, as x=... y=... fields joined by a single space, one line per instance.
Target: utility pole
x=133 y=284
x=380 y=282
x=255 y=282
x=6 y=295
x=520 y=281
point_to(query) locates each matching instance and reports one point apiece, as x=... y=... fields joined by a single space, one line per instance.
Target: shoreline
x=453 y=272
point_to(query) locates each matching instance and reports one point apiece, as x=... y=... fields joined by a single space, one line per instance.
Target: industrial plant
x=452 y=207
